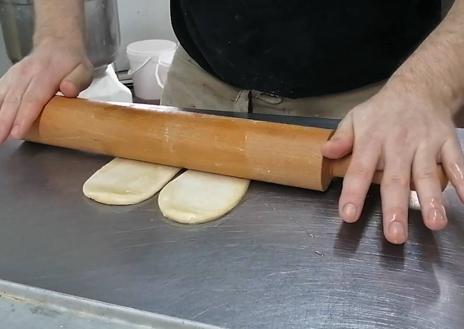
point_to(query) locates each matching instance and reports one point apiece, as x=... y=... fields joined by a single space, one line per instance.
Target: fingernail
x=397 y=232
x=437 y=215
x=15 y=131
x=349 y=212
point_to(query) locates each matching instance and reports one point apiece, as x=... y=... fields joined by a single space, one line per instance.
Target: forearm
x=436 y=68
x=59 y=20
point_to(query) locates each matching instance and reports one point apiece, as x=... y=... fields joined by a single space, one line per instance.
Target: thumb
x=341 y=143
x=76 y=81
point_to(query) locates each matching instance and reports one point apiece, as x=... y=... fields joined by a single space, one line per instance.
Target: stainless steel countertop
x=282 y=259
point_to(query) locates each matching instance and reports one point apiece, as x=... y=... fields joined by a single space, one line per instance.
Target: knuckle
x=12 y=100
x=30 y=110
x=352 y=192
x=396 y=180
x=401 y=139
x=373 y=145
x=29 y=104
x=424 y=175
x=359 y=171
x=32 y=99
x=4 y=124
x=25 y=70
x=30 y=67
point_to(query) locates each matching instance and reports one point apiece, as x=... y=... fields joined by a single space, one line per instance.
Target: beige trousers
x=189 y=86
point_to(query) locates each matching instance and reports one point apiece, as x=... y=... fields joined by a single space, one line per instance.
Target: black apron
x=302 y=48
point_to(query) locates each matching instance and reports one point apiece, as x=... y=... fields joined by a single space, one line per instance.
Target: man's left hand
x=405 y=132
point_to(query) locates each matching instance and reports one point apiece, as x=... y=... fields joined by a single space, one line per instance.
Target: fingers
x=395 y=190
x=38 y=93
x=428 y=188
x=29 y=84
x=357 y=181
x=76 y=81
x=453 y=164
x=341 y=142
x=19 y=117
x=10 y=106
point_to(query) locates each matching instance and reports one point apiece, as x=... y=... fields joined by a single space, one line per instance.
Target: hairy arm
x=59 y=20
x=436 y=68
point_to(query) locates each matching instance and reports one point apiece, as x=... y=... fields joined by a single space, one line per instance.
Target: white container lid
x=150 y=48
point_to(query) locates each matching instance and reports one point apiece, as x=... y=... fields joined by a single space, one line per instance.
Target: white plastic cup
x=143 y=59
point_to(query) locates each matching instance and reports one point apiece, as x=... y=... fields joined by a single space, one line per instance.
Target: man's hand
x=57 y=63
x=27 y=87
x=406 y=135
x=406 y=129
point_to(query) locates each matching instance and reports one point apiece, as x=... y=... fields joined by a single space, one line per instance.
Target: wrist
x=58 y=42
x=50 y=39
x=426 y=91
x=59 y=22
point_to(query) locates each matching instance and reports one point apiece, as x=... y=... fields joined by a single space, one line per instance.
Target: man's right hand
x=54 y=65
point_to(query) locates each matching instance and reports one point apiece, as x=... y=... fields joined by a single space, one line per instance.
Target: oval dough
x=197 y=197
x=126 y=182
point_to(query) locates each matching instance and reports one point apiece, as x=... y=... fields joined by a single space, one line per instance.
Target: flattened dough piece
x=197 y=197
x=125 y=182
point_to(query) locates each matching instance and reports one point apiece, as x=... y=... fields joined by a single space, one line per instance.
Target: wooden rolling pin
x=264 y=151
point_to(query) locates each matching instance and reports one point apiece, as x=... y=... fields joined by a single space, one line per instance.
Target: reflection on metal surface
x=282 y=259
